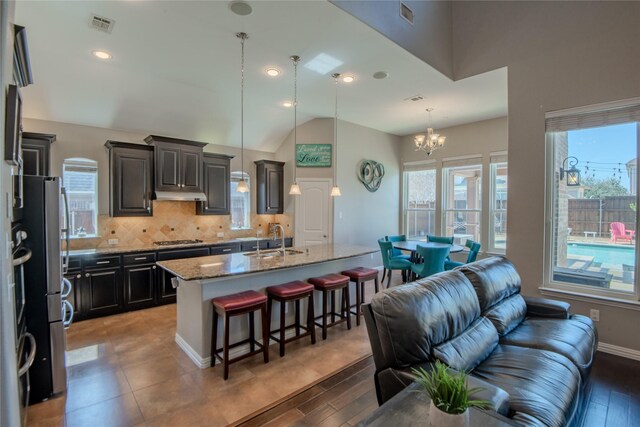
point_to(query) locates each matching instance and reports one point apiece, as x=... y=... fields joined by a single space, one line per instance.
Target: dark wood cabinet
x=178 y=164
x=225 y=249
x=216 y=177
x=270 y=187
x=139 y=286
x=130 y=179
x=75 y=296
x=252 y=245
x=166 y=292
x=36 y=148
x=101 y=291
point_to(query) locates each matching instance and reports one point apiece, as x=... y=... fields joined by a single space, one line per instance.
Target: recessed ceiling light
x=380 y=75
x=348 y=78
x=240 y=8
x=287 y=104
x=273 y=72
x=102 y=54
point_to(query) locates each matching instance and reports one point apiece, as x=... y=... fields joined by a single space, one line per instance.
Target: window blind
x=499 y=157
x=585 y=120
x=419 y=165
x=462 y=161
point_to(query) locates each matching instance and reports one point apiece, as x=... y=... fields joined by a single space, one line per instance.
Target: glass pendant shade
x=335 y=191
x=294 y=190
x=242 y=186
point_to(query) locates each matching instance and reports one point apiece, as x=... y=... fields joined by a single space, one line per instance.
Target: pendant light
x=242 y=184
x=295 y=188
x=335 y=191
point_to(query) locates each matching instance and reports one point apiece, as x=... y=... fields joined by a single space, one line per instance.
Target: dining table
x=411 y=246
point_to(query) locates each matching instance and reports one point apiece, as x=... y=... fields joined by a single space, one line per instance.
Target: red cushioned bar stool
x=361 y=275
x=292 y=291
x=229 y=306
x=328 y=285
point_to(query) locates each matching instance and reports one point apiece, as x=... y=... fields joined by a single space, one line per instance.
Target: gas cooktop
x=176 y=242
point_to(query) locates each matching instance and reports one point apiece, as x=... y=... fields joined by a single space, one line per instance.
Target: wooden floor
x=348 y=397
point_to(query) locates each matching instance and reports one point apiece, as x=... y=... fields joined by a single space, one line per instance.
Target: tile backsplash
x=174 y=220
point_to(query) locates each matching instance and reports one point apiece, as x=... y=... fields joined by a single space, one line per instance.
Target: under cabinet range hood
x=180 y=196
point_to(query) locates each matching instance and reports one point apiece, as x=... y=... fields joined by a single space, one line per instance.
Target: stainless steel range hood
x=181 y=196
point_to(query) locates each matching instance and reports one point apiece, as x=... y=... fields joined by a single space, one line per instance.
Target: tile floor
x=126 y=370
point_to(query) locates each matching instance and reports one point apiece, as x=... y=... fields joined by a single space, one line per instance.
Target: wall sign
x=370 y=173
x=313 y=155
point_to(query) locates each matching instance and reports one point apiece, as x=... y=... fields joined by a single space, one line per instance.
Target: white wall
x=87 y=141
x=559 y=55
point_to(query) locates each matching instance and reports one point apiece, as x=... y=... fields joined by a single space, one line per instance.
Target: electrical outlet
x=113 y=242
x=259 y=233
x=594 y=315
x=220 y=234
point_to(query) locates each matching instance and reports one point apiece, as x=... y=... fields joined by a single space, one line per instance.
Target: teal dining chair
x=396 y=253
x=434 y=259
x=390 y=263
x=474 y=248
x=440 y=239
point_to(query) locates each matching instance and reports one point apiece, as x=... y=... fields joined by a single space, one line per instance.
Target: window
x=240 y=207
x=592 y=246
x=80 y=180
x=498 y=207
x=462 y=205
x=419 y=203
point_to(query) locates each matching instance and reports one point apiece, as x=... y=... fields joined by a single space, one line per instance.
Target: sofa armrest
x=542 y=307
x=498 y=398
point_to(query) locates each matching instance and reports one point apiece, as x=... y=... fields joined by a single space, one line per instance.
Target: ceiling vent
x=406 y=13
x=101 y=23
x=415 y=98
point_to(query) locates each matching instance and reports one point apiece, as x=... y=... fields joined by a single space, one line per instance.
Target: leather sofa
x=530 y=356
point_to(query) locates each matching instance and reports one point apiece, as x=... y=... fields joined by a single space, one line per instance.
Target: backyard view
x=595 y=220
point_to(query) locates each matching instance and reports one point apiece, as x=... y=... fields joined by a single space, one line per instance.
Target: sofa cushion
x=470 y=348
x=574 y=338
x=508 y=314
x=413 y=318
x=494 y=280
x=543 y=387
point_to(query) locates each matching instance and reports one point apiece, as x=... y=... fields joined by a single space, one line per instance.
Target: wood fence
x=590 y=215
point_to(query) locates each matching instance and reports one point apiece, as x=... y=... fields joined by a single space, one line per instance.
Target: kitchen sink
x=272 y=253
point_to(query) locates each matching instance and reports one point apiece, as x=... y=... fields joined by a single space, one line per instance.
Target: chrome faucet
x=275 y=236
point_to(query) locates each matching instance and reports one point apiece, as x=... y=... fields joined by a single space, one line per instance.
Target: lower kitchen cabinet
x=101 y=291
x=166 y=291
x=139 y=286
x=75 y=278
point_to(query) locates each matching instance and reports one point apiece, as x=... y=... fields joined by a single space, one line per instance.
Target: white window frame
x=405 y=202
x=445 y=196
x=549 y=286
x=494 y=166
x=236 y=176
x=83 y=162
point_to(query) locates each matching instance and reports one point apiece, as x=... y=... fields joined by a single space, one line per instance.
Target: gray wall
x=88 y=142
x=429 y=38
x=559 y=55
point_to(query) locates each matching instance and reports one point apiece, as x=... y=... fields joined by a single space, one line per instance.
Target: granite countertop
x=152 y=247
x=209 y=267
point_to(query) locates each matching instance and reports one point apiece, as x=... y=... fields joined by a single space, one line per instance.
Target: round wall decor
x=370 y=173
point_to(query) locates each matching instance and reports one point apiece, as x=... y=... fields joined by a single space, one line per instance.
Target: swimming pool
x=605 y=254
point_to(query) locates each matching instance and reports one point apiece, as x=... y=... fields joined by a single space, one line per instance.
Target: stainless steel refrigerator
x=47 y=311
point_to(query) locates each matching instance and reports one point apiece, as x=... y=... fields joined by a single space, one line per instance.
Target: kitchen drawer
x=101 y=262
x=224 y=249
x=182 y=253
x=141 y=258
x=288 y=242
x=252 y=245
x=74 y=263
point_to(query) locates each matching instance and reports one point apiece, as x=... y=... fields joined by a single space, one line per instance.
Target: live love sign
x=313 y=155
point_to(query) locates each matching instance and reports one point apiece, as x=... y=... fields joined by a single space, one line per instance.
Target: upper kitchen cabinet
x=178 y=165
x=36 y=148
x=270 y=188
x=130 y=179
x=216 y=176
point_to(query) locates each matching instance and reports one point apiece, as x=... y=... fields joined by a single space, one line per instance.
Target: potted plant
x=449 y=395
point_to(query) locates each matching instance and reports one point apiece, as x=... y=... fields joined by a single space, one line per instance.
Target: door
x=167 y=167
x=314 y=212
x=216 y=185
x=101 y=292
x=191 y=159
x=274 y=175
x=139 y=286
x=131 y=175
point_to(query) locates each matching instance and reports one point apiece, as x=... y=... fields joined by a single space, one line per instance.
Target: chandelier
x=431 y=141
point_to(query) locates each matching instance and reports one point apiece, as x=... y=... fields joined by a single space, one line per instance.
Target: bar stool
x=292 y=291
x=234 y=305
x=328 y=285
x=361 y=275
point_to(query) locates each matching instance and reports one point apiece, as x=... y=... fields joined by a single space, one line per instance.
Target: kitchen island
x=201 y=279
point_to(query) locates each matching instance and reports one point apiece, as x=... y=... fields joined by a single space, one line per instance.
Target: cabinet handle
x=78 y=276
x=153 y=268
x=103 y=262
x=140 y=258
x=87 y=275
x=226 y=250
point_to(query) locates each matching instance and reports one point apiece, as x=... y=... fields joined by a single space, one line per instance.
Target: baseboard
x=619 y=351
